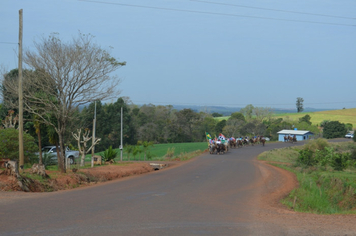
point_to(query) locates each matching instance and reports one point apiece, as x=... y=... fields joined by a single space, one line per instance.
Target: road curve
x=210 y=195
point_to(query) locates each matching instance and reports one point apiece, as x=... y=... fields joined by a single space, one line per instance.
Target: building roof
x=292 y=132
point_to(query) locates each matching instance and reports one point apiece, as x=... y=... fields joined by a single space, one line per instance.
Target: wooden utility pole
x=121 y=147
x=93 y=138
x=21 y=146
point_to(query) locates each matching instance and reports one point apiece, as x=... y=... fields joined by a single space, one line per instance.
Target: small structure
x=301 y=135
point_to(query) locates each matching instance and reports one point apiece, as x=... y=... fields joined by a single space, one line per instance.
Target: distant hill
x=226 y=111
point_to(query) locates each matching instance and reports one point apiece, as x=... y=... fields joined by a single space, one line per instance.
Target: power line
x=271 y=9
x=244 y=104
x=8 y=43
x=215 y=13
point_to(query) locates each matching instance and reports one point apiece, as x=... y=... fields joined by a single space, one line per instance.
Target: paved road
x=210 y=195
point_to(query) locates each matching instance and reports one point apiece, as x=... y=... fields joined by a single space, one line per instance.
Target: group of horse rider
x=290 y=138
x=221 y=145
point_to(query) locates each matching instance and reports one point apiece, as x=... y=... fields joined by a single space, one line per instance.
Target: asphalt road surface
x=209 y=195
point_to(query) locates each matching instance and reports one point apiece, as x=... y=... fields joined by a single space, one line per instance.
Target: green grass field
x=158 y=151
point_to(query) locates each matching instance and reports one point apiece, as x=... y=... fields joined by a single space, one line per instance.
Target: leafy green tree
x=306 y=119
x=9 y=144
x=128 y=149
x=215 y=114
x=220 y=126
x=349 y=126
x=247 y=111
x=299 y=104
x=108 y=125
x=238 y=116
x=322 y=124
x=136 y=150
x=145 y=146
x=334 y=129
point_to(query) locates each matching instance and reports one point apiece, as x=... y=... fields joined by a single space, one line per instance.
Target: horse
x=239 y=143
x=262 y=140
x=252 y=141
x=220 y=148
x=212 y=148
x=232 y=143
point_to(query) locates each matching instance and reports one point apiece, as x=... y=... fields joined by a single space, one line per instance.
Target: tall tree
x=247 y=111
x=299 y=104
x=69 y=75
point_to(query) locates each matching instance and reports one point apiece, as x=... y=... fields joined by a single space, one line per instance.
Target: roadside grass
x=158 y=152
x=320 y=191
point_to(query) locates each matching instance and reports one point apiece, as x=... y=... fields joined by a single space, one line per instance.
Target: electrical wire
x=7 y=43
x=243 y=104
x=277 y=10
x=215 y=13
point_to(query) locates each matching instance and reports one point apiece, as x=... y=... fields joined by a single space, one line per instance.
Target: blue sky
x=227 y=56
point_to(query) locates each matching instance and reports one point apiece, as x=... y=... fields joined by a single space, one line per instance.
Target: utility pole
x=121 y=147
x=21 y=146
x=93 y=138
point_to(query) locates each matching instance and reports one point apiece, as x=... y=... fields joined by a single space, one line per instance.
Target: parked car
x=52 y=150
x=349 y=135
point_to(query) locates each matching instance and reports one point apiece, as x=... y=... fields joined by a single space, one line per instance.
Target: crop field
x=343 y=116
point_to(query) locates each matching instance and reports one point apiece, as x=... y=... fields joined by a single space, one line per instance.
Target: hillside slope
x=343 y=116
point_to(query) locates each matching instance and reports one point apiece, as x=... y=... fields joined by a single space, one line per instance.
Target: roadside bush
x=9 y=144
x=340 y=161
x=109 y=154
x=306 y=158
x=170 y=152
x=317 y=144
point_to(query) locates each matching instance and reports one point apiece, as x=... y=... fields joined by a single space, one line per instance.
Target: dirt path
x=277 y=184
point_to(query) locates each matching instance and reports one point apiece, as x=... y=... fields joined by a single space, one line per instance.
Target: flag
x=207 y=135
x=221 y=137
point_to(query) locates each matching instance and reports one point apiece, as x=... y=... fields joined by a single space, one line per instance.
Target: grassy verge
x=321 y=190
x=161 y=152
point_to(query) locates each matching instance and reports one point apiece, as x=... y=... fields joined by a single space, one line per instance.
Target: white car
x=71 y=155
x=349 y=135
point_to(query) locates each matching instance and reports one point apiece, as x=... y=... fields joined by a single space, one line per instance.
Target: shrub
x=109 y=154
x=9 y=144
x=317 y=144
x=170 y=152
x=334 y=129
x=340 y=161
x=306 y=158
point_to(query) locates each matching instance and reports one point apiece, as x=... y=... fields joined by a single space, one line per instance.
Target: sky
x=208 y=53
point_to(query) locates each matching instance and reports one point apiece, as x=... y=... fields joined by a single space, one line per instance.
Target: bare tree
x=83 y=148
x=262 y=113
x=66 y=76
